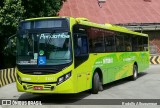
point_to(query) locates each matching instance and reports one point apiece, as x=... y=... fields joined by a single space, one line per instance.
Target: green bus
x=71 y=55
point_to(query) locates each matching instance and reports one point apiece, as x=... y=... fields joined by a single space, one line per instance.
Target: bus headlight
x=19 y=79
x=63 y=78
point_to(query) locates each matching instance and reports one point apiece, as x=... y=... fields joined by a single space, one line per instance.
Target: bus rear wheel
x=135 y=73
x=95 y=83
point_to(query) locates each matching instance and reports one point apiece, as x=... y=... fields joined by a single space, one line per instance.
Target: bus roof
x=85 y=21
x=107 y=26
x=40 y=18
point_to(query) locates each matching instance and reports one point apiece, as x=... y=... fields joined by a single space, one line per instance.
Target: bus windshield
x=44 y=48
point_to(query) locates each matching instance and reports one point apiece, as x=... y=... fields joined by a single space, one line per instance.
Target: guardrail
x=154 y=59
x=7 y=76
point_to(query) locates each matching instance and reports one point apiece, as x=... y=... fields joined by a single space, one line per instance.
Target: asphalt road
x=147 y=86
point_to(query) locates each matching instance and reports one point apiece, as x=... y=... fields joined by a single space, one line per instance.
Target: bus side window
x=98 y=47
x=109 y=44
x=127 y=43
x=140 y=44
x=134 y=43
x=119 y=43
x=145 y=43
x=80 y=45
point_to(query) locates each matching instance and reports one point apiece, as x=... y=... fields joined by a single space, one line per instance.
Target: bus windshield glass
x=44 y=48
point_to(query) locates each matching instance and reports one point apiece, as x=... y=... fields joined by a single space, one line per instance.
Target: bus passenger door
x=81 y=56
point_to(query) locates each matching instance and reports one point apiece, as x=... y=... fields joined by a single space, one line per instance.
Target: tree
x=41 y=8
x=11 y=12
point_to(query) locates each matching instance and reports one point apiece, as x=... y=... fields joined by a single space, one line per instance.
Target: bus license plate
x=38 y=87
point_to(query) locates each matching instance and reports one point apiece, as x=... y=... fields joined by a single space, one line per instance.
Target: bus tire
x=100 y=86
x=135 y=73
x=95 y=83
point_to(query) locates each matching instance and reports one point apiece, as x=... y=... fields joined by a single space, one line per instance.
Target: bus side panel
x=114 y=66
x=143 y=61
x=125 y=65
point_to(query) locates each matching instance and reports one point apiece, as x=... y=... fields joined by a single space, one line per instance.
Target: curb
x=7 y=76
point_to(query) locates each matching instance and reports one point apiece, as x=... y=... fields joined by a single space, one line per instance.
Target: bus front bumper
x=45 y=87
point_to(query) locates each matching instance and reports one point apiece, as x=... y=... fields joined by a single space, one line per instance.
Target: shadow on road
x=122 y=81
x=54 y=98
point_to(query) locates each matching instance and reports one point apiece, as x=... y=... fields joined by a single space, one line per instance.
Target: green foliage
x=11 y=13
x=41 y=8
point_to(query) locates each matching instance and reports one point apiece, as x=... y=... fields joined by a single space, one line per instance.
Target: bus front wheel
x=135 y=73
x=95 y=83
